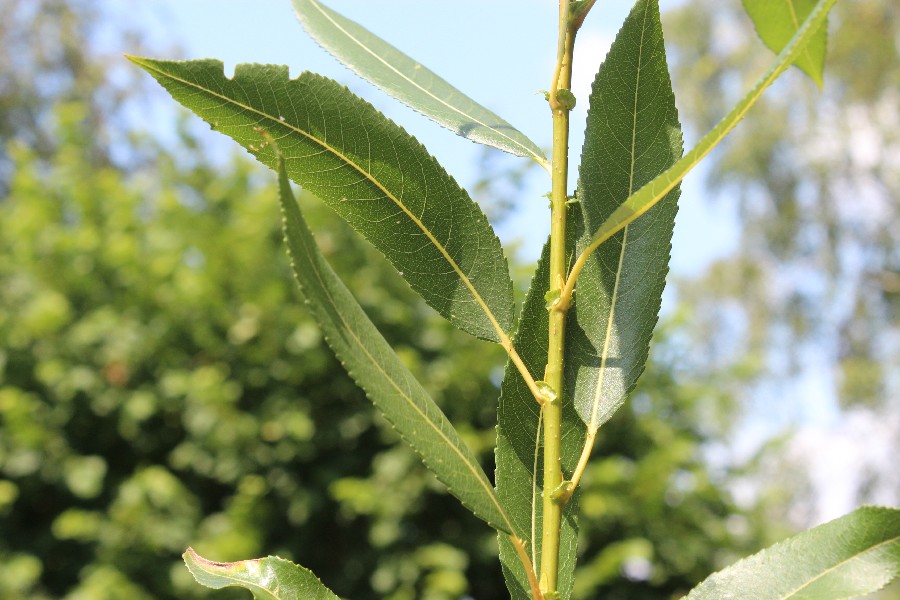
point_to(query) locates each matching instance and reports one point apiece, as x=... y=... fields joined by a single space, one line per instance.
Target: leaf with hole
x=369 y=170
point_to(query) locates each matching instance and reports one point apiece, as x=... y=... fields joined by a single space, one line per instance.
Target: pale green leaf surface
x=369 y=170
x=632 y=135
x=777 y=22
x=385 y=66
x=377 y=369
x=519 y=469
x=647 y=196
x=269 y=578
x=854 y=555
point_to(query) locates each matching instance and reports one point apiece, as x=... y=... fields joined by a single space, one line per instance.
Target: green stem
x=553 y=374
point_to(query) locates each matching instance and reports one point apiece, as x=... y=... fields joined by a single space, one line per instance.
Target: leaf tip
x=192 y=559
x=137 y=60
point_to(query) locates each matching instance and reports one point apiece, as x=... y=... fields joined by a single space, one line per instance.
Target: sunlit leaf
x=777 y=22
x=377 y=369
x=269 y=578
x=633 y=135
x=385 y=66
x=369 y=170
x=852 y=556
x=646 y=197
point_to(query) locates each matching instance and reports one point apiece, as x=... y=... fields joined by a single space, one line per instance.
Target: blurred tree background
x=807 y=306
x=161 y=384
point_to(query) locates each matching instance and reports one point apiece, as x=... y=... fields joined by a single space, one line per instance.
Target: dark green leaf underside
x=378 y=370
x=385 y=66
x=370 y=171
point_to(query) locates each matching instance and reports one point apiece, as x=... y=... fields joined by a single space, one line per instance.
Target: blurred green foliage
x=161 y=385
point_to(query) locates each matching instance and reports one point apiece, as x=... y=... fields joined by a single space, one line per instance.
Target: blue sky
x=500 y=53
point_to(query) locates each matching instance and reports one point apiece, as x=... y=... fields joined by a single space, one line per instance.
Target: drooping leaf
x=632 y=135
x=646 y=197
x=519 y=460
x=269 y=578
x=777 y=22
x=370 y=171
x=377 y=369
x=385 y=66
x=854 y=555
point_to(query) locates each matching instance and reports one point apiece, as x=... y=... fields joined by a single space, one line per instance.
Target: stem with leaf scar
x=561 y=103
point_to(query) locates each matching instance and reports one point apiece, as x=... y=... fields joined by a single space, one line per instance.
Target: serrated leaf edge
x=193 y=560
x=797 y=23
x=477 y=472
x=647 y=196
x=816 y=75
x=498 y=329
x=840 y=564
x=788 y=595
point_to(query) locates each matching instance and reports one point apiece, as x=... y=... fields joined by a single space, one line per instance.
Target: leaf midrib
x=662 y=184
x=796 y=22
x=592 y=426
x=539 y=159
x=856 y=556
x=327 y=147
x=402 y=394
x=534 y=491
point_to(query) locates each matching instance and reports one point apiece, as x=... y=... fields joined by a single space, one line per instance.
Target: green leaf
x=383 y=65
x=267 y=578
x=518 y=457
x=633 y=135
x=855 y=555
x=777 y=22
x=647 y=196
x=378 y=370
x=370 y=171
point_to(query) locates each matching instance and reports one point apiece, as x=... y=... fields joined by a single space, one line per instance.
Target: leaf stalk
x=581 y=12
x=521 y=367
x=519 y=545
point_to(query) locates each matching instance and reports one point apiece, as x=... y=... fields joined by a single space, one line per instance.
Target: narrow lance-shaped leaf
x=378 y=370
x=269 y=578
x=645 y=198
x=409 y=81
x=852 y=556
x=633 y=135
x=369 y=170
x=519 y=461
x=777 y=22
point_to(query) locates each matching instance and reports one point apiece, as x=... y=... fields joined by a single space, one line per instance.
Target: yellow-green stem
x=553 y=374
